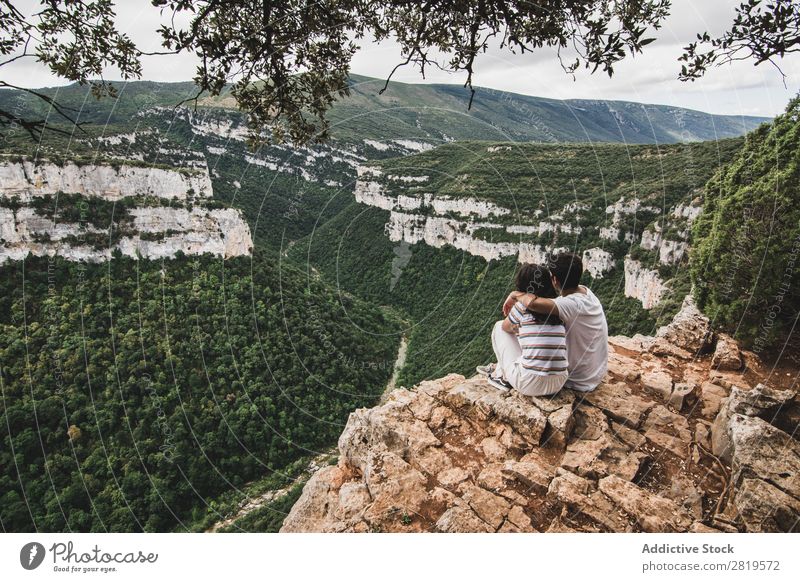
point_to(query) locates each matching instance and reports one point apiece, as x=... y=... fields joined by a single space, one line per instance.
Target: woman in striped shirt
x=531 y=348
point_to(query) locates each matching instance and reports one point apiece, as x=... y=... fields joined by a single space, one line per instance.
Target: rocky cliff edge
x=686 y=433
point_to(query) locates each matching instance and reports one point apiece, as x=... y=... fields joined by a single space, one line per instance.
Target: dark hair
x=535 y=279
x=567 y=268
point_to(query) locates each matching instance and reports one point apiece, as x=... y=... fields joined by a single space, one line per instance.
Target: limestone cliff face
x=151 y=232
x=670 y=441
x=437 y=232
x=597 y=262
x=157 y=233
x=463 y=223
x=25 y=179
x=439 y=220
x=616 y=213
x=643 y=284
x=670 y=252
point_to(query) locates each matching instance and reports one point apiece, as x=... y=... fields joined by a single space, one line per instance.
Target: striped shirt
x=544 y=345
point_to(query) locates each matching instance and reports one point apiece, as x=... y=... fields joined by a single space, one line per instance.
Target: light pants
x=509 y=367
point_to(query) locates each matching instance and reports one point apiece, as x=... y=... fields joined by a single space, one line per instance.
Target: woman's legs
x=508 y=354
x=535 y=385
x=506 y=350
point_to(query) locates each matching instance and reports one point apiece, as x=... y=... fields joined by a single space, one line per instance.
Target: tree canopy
x=760 y=32
x=285 y=63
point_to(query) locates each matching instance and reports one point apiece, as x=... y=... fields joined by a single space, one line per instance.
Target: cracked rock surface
x=667 y=443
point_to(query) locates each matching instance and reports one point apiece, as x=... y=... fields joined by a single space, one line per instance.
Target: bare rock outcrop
x=456 y=455
x=689 y=329
x=150 y=230
x=26 y=179
x=727 y=355
x=643 y=284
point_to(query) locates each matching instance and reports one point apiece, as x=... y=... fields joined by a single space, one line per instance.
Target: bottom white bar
x=406 y=557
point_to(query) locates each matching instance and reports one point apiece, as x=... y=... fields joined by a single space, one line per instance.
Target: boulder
x=636 y=344
x=761 y=451
x=534 y=476
x=679 y=393
x=689 y=329
x=658 y=382
x=761 y=401
x=661 y=347
x=765 y=508
x=623 y=367
x=452 y=477
x=581 y=497
x=606 y=455
x=619 y=403
x=461 y=519
x=491 y=508
x=493 y=450
x=711 y=396
x=519 y=519
x=727 y=355
x=668 y=430
x=492 y=477
x=478 y=399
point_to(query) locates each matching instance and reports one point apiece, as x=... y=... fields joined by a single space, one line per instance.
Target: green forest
x=135 y=392
x=747 y=240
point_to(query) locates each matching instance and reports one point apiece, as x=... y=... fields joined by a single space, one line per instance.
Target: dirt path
x=250 y=505
x=398 y=365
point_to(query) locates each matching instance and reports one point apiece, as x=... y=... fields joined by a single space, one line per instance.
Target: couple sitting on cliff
x=554 y=333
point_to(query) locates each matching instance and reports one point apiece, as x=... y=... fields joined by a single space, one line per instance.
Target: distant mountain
x=433 y=113
x=440 y=111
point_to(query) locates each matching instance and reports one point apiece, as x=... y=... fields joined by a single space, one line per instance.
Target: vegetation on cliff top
x=746 y=258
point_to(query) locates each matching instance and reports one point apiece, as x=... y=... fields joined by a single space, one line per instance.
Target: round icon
x=31 y=555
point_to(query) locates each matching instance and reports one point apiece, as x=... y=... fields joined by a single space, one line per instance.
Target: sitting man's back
x=587 y=338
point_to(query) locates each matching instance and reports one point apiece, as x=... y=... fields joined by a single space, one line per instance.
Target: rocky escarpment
x=30 y=223
x=672 y=440
x=668 y=242
x=25 y=179
x=445 y=221
x=643 y=284
x=419 y=213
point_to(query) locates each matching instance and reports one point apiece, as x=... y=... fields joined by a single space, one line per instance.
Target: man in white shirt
x=583 y=316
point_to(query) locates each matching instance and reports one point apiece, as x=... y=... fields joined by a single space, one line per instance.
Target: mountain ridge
x=440 y=112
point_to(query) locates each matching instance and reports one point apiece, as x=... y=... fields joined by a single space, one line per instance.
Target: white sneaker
x=499 y=383
x=486 y=370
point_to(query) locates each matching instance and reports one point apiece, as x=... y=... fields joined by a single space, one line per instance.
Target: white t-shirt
x=587 y=339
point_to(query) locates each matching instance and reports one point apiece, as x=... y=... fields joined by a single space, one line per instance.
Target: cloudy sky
x=740 y=88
